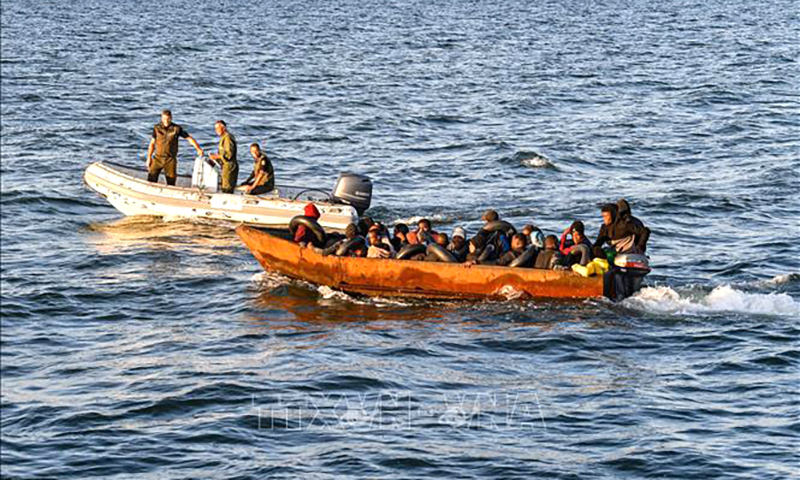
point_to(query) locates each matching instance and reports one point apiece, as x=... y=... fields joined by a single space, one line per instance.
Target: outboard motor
x=626 y=277
x=355 y=190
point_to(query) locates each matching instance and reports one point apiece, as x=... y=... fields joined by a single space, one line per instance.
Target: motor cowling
x=355 y=190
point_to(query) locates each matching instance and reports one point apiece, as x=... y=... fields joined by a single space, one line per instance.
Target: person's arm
x=150 y=150
x=562 y=247
x=643 y=237
x=256 y=181
x=196 y=145
x=602 y=237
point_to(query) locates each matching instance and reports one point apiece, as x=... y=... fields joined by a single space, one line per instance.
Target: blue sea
x=158 y=349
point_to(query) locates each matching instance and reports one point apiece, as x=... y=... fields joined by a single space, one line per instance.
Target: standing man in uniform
x=164 y=142
x=262 y=180
x=226 y=156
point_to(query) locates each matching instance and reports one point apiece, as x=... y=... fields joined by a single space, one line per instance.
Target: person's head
x=351 y=231
x=577 y=231
x=220 y=127
x=373 y=235
x=255 y=150
x=490 y=216
x=518 y=241
x=365 y=224
x=424 y=225
x=459 y=237
x=166 y=118
x=550 y=242
x=441 y=239
x=400 y=231
x=527 y=230
x=609 y=212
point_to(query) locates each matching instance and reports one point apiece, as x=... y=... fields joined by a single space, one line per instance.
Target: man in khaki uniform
x=226 y=156
x=164 y=142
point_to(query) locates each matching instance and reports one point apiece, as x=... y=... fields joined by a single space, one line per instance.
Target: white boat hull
x=129 y=192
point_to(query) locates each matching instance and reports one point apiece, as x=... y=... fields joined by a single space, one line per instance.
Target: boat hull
x=129 y=192
x=406 y=278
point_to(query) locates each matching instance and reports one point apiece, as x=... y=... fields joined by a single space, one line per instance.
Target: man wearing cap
x=226 y=156
x=164 y=143
x=580 y=249
x=458 y=244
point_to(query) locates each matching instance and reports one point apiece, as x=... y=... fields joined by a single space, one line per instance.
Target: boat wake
x=721 y=299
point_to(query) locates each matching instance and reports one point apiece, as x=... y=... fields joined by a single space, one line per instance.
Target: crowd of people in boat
x=497 y=242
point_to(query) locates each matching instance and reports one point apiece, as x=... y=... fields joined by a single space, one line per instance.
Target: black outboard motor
x=353 y=189
x=626 y=276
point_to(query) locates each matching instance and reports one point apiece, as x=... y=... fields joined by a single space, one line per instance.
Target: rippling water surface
x=141 y=348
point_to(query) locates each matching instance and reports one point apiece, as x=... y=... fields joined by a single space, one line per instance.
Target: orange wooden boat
x=407 y=278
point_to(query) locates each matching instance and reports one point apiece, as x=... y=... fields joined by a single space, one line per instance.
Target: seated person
x=458 y=244
x=497 y=238
x=580 y=249
x=518 y=247
x=477 y=245
x=535 y=235
x=364 y=224
x=304 y=235
x=400 y=236
x=350 y=233
x=624 y=233
x=549 y=258
x=262 y=180
x=378 y=246
x=441 y=240
x=423 y=234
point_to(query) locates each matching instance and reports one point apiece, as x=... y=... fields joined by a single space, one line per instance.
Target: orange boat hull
x=406 y=278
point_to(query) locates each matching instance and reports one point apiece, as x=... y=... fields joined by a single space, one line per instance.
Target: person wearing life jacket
x=458 y=244
x=625 y=234
x=423 y=234
x=550 y=258
x=579 y=249
x=304 y=235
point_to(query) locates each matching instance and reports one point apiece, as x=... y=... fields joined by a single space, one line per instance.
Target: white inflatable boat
x=128 y=190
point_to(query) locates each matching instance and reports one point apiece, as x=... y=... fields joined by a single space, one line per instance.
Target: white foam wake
x=722 y=299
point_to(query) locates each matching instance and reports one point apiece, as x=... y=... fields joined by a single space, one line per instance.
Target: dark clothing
x=460 y=254
x=261 y=190
x=167 y=140
x=641 y=233
x=508 y=257
x=165 y=157
x=497 y=238
x=627 y=234
x=267 y=182
x=548 y=259
x=153 y=173
x=398 y=244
